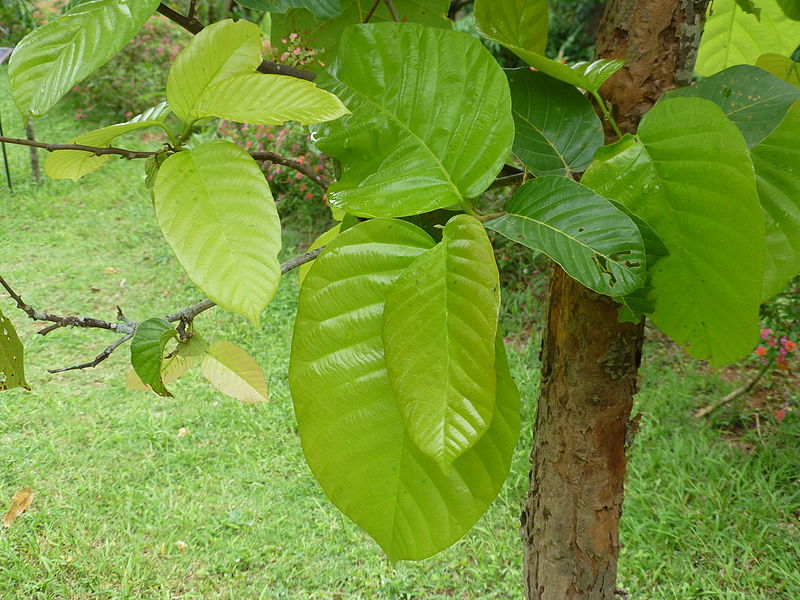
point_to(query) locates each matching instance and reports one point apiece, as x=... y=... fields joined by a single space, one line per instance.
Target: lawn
x=199 y=496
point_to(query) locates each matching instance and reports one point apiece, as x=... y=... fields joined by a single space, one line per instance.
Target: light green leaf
x=777 y=164
x=732 y=36
x=690 y=178
x=147 y=352
x=750 y=97
x=216 y=212
x=439 y=326
x=319 y=37
x=431 y=122
x=522 y=23
x=323 y=239
x=219 y=51
x=74 y=164
x=557 y=130
x=12 y=364
x=268 y=100
x=782 y=67
x=51 y=59
x=350 y=424
x=234 y=373
x=593 y=241
x=175 y=366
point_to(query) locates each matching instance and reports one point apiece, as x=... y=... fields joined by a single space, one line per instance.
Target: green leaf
x=690 y=178
x=557 y=130
x=522 y=23
x=782 y=67
x=750 y=97
x=147 y=352
x=593 y=241
x=234 y=373
x=325 y=9
x=175 y=366
x=219 y=51
x=732 y=36
x=216 y=212
x=777 y=160
x=791 y=8
x=323 y=239
x=268 y=100
x=319 y=37
x=439 y=326
x=431 y=122
x=750 y=7
x=351 y=428
x=12 y=355
x=74 y=164
x=52 y=58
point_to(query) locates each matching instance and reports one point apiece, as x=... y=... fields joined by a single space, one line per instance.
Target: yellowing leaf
x=19 y=504
x=234 y=373
x=12 y=368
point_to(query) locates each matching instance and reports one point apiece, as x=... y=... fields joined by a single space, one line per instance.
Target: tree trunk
x=570 y=523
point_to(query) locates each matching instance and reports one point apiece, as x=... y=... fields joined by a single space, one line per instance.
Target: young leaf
x=12 y=365
x=431 y=122
x=750 y=97
x=520 y=22
x=593 y=241
x=732 y=37
x=216 y=212
x=234 y=373
x=782 y=67
x=19 y=504
x=180 y=361
x=557 y=130
x=439 y=326
x=776 y=161
x=74 y=164
x=323 y=239
x=319 y=37
x=147 y=352
x=691 y=179
x=268 y=100
x=52 y=58
x=351 y=428
x=219 y=51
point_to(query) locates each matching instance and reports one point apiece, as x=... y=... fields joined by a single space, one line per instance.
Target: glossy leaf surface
x=268 y=100
x=593 y=241
x=234 y=373
x=12 y=355
x=320 y=37
x=219 y=51
x=439 y=327
x=52 y=58
x=691 y=179
x=750 y=97
x=782 y=67
x=732 y=36
x=147 y=352
x=522 y=22
x=557 y=130
x=431 y=120
x=777 y=164
x=216 y=212
x=352 y=432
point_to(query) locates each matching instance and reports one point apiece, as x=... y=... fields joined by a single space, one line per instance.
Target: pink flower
x=765 y=333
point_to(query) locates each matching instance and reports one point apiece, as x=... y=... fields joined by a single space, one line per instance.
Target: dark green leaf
x=147 y=352
x=750 y=7
x=12 y=365
x=791 y=8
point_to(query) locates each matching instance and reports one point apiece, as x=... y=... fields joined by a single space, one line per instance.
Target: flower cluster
x=778 y=348
x=295 y=52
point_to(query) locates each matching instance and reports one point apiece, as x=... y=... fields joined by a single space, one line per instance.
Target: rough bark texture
x=570 y=522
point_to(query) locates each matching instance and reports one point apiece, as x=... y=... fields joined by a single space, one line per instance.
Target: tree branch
x=98 y=359
x=98 y=151
x=371 y=11
x=292 y=164
x=392 y=11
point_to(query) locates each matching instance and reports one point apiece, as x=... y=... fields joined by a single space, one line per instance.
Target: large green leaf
x=752 y=98
x=594 y=242
x=322 y=240
x=268 y=100
x=74 y=164
x=51 y=59
x=782 y=67
x=557 y=130
x=219 y=51
x=216 y=212
x=234 y=372
x=521 y=22
x=431 y=122
x=690 y=178
x=326 y=9
x=777 y=164
x=319 y=37
x=439 y=326
x=12 y=364
x=147 y=352
x=791 y=8
x=351 y=428
x=732 y=36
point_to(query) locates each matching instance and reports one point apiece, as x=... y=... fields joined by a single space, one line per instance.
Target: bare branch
x=98 y=359
x=292 y=164
x=98 y=151
x=371 y=11
x=392 y=11
x=191 y=25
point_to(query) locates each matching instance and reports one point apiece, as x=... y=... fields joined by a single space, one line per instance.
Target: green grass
x=116 y=488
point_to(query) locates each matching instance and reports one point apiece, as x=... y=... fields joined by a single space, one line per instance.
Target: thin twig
x=192 y=8
x=371 y=11
x=392 y=11
x=97 y=359
x=292 y=164
x=98 y=151
x=740 y=391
